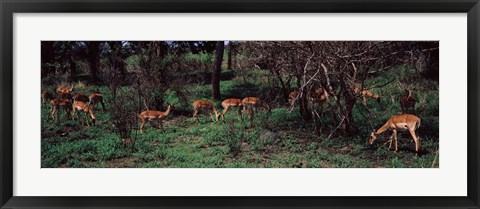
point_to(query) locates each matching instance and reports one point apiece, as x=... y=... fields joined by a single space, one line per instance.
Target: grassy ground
x=188 y=143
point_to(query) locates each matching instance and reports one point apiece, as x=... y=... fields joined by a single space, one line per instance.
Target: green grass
x=188 y=143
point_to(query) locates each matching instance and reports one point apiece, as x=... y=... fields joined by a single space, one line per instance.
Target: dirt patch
x=126 y=162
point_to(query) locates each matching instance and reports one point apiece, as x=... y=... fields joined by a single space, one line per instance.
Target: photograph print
x=240 y=104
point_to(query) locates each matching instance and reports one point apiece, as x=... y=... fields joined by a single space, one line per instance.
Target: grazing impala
x=80 y=97
x=404 y=122
x=200 y=105
x=254 y=102
x=249 y=103
x=228 y=103
x=82 y=107
x=96 y=98
x=56 y=104
x=407 y=101
x=153 y=115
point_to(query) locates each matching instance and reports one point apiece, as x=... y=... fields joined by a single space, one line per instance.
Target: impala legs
x=196 y=113
x=228 y=108
x=412 y=133
x=223 y=113
x=415 y=139
x=391 y=140
x=142 y=124
x=211 y=115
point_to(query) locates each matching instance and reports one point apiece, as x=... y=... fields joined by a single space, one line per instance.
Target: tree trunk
x=73 y=68
x=230 y=54
x=119 y=58
x=93 y=58
x=217 y=70
x=350 y=103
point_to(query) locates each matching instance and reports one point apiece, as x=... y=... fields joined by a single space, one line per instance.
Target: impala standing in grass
x=229 y=103
x=153 y=115
x=56 y=104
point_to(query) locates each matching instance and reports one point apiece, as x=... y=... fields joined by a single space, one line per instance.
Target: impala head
x=372 y=138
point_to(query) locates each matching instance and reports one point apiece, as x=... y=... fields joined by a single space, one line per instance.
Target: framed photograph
x=266 y=104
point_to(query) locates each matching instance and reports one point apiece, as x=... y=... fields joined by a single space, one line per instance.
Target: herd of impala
x=82 y=103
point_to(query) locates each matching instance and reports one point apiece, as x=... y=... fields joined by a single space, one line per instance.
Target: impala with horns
x=204 y=105
x=87 y=110
x=151 y=115
x=229 y=103
x=403 y=122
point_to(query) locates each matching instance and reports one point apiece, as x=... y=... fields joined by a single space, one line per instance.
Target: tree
x=117 y=58
x=93 y=58
x=217 y=70
x=338 y=66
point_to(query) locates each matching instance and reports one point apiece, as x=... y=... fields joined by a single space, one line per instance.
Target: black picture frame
x=9 y=7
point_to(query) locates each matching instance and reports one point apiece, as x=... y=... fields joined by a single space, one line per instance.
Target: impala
x=153 y=115
x=228 y=103
x=407 y=101
x=254 y=102
x=200 y=105
x=366 y=93
x=65 y=89
x=96 y=98
x=56 y=104
x=317 y=95
x=46 y=96
x=404 y=122
x=80 y=97
x=83 y=107
x=249 y=103
x=292 y=99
